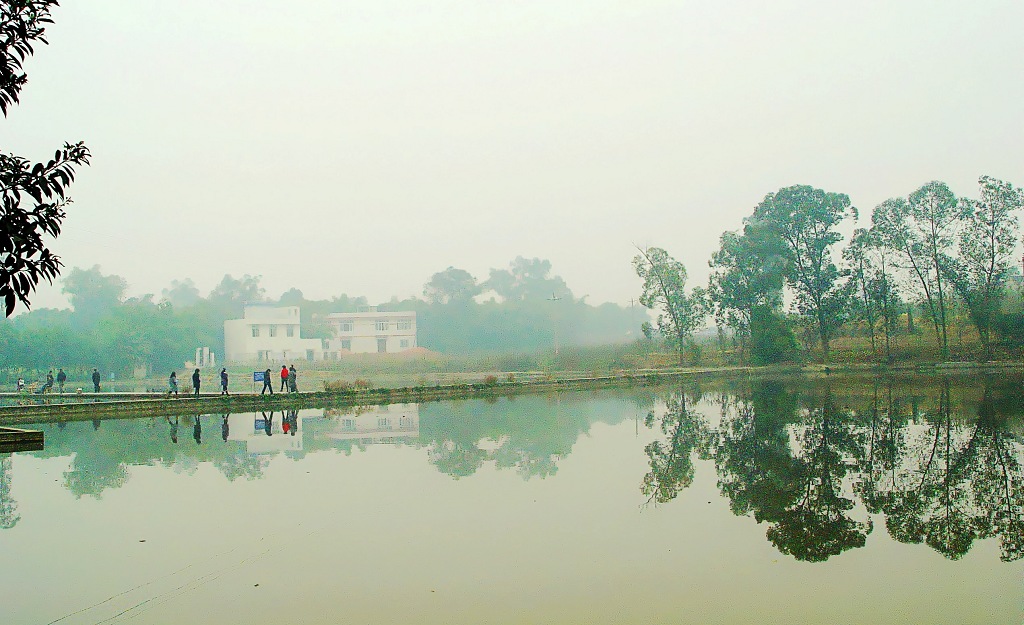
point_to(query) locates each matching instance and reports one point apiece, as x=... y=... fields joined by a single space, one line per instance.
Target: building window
x=348 y=425
x=382 y=346
x=383 y=326
x=346 y=344
x=255 y=331
x=405 y=325
x=309 y=354
x=404 y=343
x=345 y=326
x=383 y=423
x=273 y=331
x=290 y=330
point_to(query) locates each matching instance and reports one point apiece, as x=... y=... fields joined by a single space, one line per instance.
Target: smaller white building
x=268 y=334
x=371 y=331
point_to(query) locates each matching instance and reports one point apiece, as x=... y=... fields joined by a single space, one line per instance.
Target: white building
x=371 y=332
x=268 y=334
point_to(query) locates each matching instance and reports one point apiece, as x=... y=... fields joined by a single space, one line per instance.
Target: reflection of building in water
x=250 y=428
x=377 y=424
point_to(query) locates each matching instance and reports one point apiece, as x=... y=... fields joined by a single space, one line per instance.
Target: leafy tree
x=771 y=339
x=805 y=220
x=527 y=279
x=876 y=300
x=93 y=294
x=747 y=273
x=922 y=229
x=182 y=293
x=231 y=295
x=986 y=249
x=451 y=286
x=664 y=289
x=25 y=260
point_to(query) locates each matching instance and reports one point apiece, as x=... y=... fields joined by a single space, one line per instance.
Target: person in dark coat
x=61 y=379
x=292 y=388
x=267 y=386
x=196 y=382
x=96 y=380
x=224 y=381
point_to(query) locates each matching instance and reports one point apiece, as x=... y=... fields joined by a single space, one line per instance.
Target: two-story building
x=269 y=334
x=370 y=331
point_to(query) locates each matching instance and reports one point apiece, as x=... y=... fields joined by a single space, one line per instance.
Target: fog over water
x=359 y=147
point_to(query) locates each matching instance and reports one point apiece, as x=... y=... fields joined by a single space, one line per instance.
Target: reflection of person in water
x=268 y=423
x=197 y=431
x=286 y=424
x=293 y=416
x=174 y=429
x=95 y=424
x=224 y=428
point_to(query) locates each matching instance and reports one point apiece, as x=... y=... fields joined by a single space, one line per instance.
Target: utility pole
x=554 y=332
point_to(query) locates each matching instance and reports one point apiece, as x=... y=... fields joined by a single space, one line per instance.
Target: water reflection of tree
x=885 y=447
x=756 y=468
x=816 y=524
x=527 y=434
x=960 y=482
x=671 y=459
x=9 y=516
x=932 y=504
x=788 y=470
x=998 y=487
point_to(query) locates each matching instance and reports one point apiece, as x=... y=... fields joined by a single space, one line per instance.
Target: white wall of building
x=371 y=332
x=268 y=334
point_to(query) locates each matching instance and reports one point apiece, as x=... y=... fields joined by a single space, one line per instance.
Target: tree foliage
x=805 y=219
x=451 y=286
x=25 y=259
x=679 y=313
x=747 y=273
x=986 y=246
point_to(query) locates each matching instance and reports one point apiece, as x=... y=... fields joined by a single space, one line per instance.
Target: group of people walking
x=287 y=375
x=197 y=383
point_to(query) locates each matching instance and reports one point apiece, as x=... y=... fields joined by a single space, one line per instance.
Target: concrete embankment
x=88 y=406
x=51 y=408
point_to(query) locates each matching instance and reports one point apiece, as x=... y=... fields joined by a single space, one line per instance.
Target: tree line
x=523 y=308
x=930 y=252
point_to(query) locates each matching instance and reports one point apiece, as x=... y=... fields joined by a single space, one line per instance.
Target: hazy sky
x=358 y=147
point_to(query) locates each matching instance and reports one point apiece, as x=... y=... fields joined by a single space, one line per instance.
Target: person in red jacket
x=284 y=378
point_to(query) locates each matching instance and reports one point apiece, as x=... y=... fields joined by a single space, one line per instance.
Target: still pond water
x=790 y=501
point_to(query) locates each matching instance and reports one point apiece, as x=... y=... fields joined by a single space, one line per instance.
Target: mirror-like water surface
x=840 y=501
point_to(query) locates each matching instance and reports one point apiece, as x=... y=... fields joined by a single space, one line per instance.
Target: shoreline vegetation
x=341 y=394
